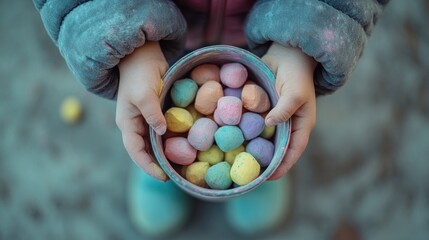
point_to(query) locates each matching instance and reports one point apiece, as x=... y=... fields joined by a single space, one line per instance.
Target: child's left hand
x=294 y=84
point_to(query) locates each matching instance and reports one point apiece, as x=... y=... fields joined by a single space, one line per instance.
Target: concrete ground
x=365 y=172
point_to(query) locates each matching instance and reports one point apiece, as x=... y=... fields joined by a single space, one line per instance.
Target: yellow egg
x=268 y=132
x=194 y=113
x=196 y=172
x=213 y=155
x=178 y=120
x=245 y=169
x=71 y=110
x=230 y=156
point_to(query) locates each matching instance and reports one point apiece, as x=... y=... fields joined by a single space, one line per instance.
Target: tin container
x=259 y=73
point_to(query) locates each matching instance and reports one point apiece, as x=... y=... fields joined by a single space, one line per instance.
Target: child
x=120 y=49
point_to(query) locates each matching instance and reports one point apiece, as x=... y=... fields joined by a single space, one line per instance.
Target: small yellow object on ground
x=71 y=110
x=245 y=169
x=179 y=120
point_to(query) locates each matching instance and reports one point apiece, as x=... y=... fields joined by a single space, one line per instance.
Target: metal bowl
x=259 y=73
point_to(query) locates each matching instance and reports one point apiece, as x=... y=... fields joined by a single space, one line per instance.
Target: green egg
x=183 y=92
x=218 y=176
x=229 y=138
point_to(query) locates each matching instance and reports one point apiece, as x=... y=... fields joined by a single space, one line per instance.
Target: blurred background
x=365 y=174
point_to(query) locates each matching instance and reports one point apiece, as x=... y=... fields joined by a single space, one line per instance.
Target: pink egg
x=207 y=97
x=233 y=75
x=229 y=110
x=204 y=73
x=201 y=134
x=255 y=98
x=217 y=118
x=178 y=150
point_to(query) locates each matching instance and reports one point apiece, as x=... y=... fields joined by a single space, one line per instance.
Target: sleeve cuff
x=95 y=35
x=331 y=37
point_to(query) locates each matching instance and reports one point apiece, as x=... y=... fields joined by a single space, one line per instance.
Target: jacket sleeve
x=333 y=32
x=93 y=36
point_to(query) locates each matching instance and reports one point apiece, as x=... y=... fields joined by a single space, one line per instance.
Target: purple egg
x=262 y=150
x=201 y=134
x=252 y=125
x=235 y=92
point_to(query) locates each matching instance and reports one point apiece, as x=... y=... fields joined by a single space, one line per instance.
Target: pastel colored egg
x=207 y=97
x=183 y=92
x=229 y=110
x=245 y=169
x=213 y=155
x=196 y=172
x=218 y=176
x=217 y=119
x=255 y=98
x=204 y=73
x=262 y=150
x=268 y=132
x=201 y=134
x=71 y=110
x=195 y=114
x=251 y=124
x=178 y=120
x=235 y=92
x=228 y=138
x=230 y=155
x=178 y=150
x=233 y=75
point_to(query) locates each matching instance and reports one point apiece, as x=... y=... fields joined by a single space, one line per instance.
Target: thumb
x=287 y=105
x=150 y=107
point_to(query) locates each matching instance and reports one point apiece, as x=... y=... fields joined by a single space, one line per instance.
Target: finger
x=133 y=130
x=302 y=126
x=136 y=148
x=299 y=140
x=150 y=108
x=287 y=105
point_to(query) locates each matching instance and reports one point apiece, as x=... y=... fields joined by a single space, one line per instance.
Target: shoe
x=262 y=209
x=156 y=208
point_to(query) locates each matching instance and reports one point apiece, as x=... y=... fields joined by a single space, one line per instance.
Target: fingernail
x=270 y=122
x=158 y=173
x=160 y=130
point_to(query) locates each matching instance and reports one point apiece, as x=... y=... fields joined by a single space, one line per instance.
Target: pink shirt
x=215 y=21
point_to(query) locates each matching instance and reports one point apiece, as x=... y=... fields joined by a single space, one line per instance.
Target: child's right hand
x=138 y=104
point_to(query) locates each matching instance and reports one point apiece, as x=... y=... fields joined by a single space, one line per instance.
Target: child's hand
x=138 y=104
x=294 y=84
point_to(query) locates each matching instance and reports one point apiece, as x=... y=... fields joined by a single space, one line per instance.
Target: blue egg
x=218 y=177
x=228 y=138
x=252 y=125
x=183 y=92
x=262 y=150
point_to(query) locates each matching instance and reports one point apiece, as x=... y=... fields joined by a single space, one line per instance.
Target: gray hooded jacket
x=93 y=36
